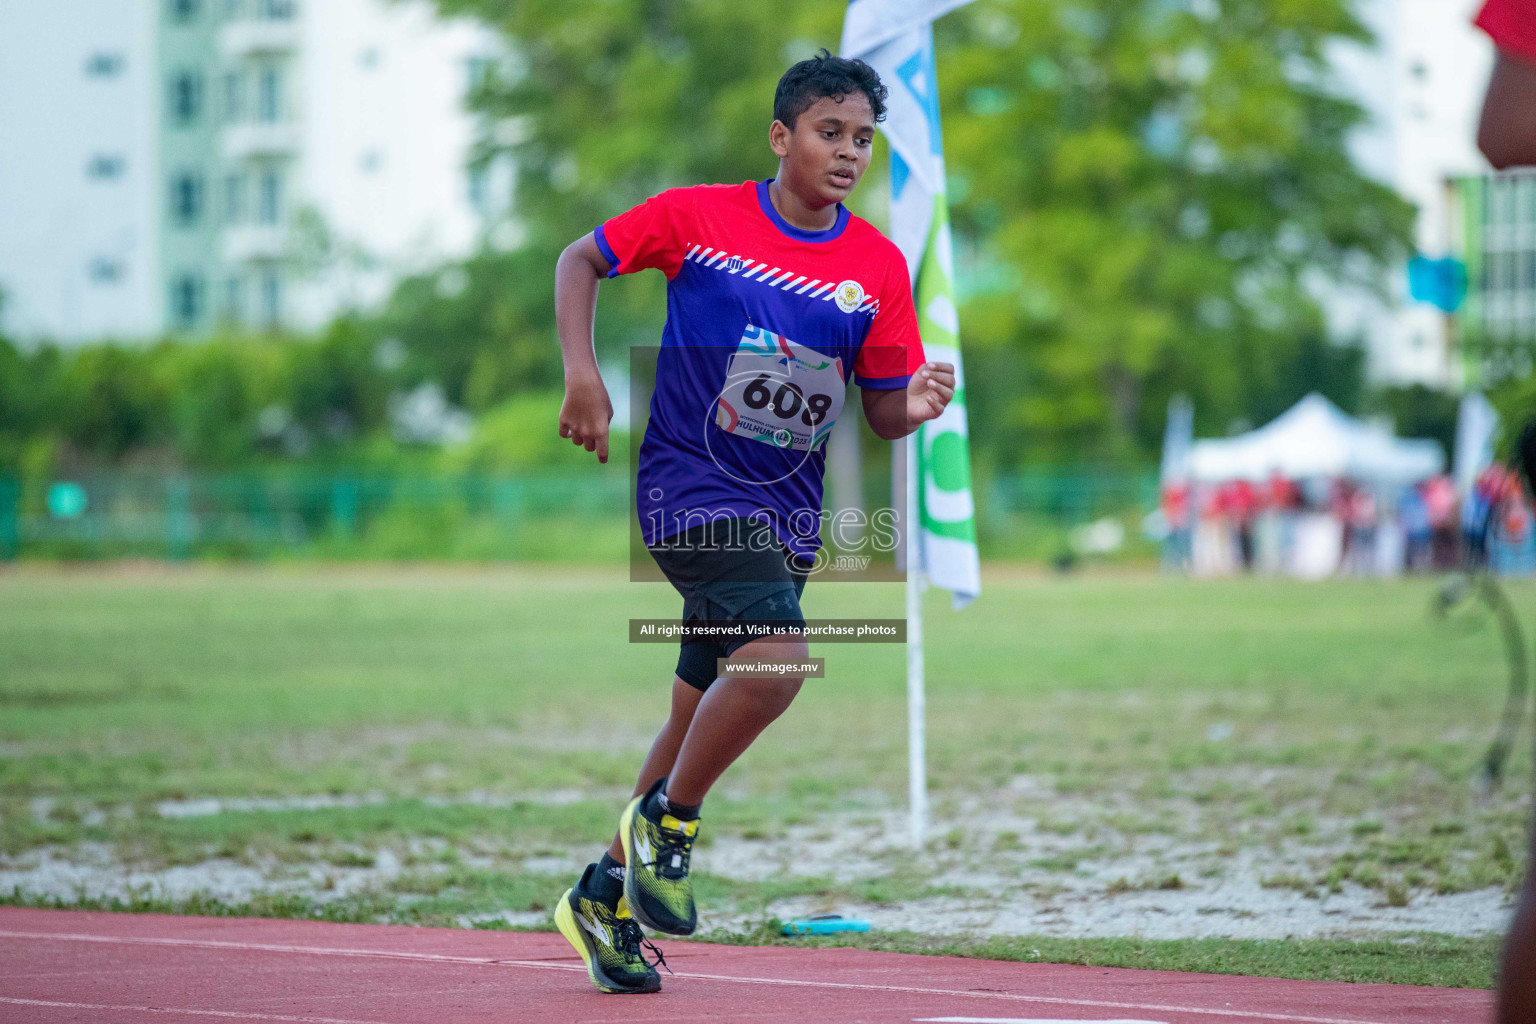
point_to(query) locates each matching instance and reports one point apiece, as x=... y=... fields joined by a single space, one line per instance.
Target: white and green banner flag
x=896 y=38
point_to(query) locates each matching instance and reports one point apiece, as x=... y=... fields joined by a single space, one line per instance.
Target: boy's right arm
x=1507 y=132
x=587 y=410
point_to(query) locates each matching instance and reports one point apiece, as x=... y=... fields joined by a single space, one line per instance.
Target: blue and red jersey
x=766 y=322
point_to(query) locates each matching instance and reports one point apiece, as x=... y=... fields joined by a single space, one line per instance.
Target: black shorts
x=729 y=570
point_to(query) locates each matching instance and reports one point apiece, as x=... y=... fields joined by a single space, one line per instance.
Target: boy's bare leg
x=685 y=699
x=707 y=732
x=732 y=713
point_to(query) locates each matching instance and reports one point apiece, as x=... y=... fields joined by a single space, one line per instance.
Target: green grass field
x=466 y=735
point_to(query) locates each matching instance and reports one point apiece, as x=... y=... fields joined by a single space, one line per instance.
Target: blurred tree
x=602 y=106
x=514 y=437
x=1161 y=183
x=1419 y=411
x=29 y=388
x=483 y=329
x=213 y=393
x=313 y=394
x=1142 y=193
x=338 y=389
x=1515 y=399
x=108 y=403
x=219 y=403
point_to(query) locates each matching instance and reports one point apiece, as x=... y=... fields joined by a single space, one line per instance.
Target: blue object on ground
x=824 y=924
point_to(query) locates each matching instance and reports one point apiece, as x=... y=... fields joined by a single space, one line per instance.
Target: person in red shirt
x=1440 y=506
x=1245 y=505
x=1282 y=494
x=1283 y=500
x=1177 y=550
x=1507 y=134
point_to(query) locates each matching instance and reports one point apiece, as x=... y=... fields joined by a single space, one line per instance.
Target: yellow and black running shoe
x=656 y=853
x=608 y=940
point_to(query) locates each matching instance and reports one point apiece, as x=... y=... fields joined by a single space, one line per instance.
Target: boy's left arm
x=901 y=389
x=1507 y=133
x=898 y=412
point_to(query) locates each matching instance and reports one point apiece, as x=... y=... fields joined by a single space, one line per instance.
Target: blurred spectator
x=1479 y=514
x=1440 y=504
x=1517 y=521
x=1515 y=551
x=1511 y=550
x=1242 y=507
x=1361 y=532
x=1178 y=551
x=1340 y=506
x=1282 y=494
x=1214 y=546
x=1279 y=502
x=1413 y=515
x=1354 y=509
x=1320 y=527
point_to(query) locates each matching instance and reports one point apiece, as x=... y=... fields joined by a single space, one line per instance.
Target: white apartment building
x=175 y=165
x=1423 y=88
x=77 y=169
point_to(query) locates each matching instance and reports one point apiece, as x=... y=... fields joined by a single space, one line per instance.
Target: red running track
x=60 y=966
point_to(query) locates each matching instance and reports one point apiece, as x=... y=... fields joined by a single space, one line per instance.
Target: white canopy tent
x=1315 y=438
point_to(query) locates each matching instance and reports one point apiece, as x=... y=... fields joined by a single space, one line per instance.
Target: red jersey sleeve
x=892 y=351
x=1511 y=24
x=645 y=237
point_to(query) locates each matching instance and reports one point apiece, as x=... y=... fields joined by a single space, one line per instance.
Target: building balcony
x=253 y=243
x=250 y=38
x=259 y=139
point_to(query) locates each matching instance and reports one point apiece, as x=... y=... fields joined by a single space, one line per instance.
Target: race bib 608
x=780 y=393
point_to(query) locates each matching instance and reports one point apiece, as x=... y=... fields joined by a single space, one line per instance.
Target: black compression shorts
x=729 y=570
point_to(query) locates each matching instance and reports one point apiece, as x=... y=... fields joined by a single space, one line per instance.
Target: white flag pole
x=917 y=753
x=895 y=36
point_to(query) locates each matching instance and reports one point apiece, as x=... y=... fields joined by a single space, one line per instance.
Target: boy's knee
x=778 y=646
x=774 y=690
x=772 y=695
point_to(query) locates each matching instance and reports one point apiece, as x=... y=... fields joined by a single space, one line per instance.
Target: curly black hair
x=826 y=75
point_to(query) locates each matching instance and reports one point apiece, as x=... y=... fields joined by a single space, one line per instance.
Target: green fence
x=483 y=517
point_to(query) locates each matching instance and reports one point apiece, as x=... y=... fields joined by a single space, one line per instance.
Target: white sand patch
x=1020 y=859
x=204 y=806
x=91 y=871
x=1095 y=883
x=1233 y=910
x=568 y=864
x=47 y=874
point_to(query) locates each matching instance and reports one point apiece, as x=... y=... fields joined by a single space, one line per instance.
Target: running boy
x=775 y=294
